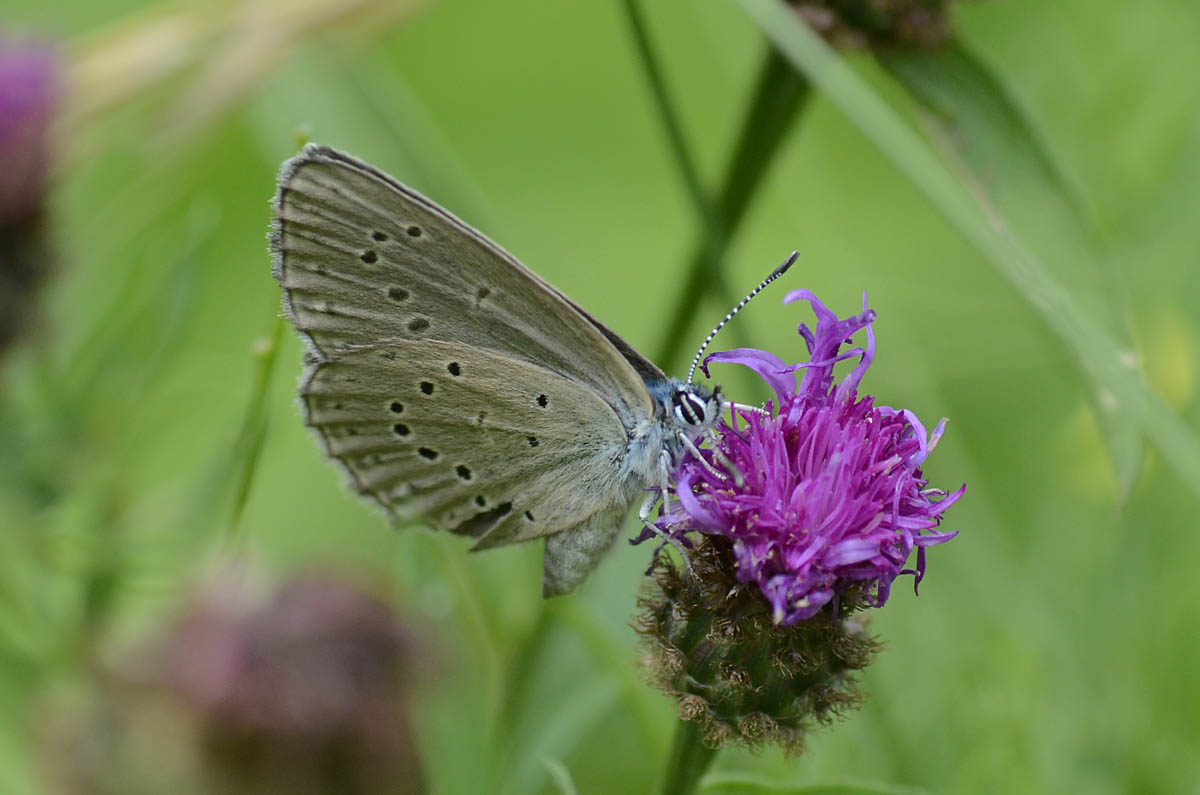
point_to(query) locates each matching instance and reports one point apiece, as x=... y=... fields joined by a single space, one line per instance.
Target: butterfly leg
x=648 y=508
x=747 y=407
x=738 y=479
x=663 y=492
x=730 y=469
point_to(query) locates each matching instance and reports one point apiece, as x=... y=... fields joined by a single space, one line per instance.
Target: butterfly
x=456 y=387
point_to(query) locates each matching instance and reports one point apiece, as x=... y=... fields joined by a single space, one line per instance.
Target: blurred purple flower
x=28 y=91
x=312 y=662
x=314 y=680
x=879 y=24
x=833 y=496
x=307 y=694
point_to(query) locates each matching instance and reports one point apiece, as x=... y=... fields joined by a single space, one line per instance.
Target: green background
x=1053 y=647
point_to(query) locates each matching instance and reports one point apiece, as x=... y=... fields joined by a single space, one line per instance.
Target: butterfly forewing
x=362 y=258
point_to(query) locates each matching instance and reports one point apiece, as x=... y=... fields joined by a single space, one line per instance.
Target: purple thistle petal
x=643 y=537
x=850 y=383
x=694 y=508
x=769 y=367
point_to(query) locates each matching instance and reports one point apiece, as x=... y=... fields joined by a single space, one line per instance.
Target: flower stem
x=779 y=96
x=684 y=160
x=688 y=761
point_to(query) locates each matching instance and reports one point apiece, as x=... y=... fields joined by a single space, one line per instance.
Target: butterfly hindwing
x=469 y=440
x=572 y=554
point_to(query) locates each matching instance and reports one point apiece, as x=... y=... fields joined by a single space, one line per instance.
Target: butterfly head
x=688 y=413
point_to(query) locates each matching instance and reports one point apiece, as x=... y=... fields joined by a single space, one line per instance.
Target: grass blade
x=1112 y=370
x=975 y=123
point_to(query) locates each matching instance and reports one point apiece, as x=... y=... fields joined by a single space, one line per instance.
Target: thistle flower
x=305 y=694
x=878 y=24
x=755 y=639
x=833 y=494
x=28 y=90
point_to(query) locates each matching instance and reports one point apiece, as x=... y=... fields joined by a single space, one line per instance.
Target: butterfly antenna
x=775 y=274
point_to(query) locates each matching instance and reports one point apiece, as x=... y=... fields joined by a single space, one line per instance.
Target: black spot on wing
x=484 y=521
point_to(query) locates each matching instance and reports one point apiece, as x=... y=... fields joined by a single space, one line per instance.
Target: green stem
x=684 y=161
x=779 y=95
x=253 y=431
x=688 y=761
x=516 y=693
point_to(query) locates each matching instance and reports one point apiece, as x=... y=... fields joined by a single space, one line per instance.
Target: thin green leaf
x=573 y=721
x=1113 y=371
x=608 y=654
x=521 y=679
x=560 y=776
x=253 y=431
x=612 y=655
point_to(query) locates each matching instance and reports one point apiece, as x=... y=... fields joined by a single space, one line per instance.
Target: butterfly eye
x=689 y=408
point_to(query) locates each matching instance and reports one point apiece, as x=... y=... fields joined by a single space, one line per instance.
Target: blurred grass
x=1052 y=648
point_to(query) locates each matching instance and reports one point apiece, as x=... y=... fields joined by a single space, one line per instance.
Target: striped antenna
x=775 y=274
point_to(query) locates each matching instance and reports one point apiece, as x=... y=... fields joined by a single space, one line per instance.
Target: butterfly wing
x=469 y=440
x=363 y=258
x=648 y=370
x=452 y=383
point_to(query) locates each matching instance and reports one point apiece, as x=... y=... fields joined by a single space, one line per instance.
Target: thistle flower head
x=755 y=637
x=28 y=77
x=879 y=24
x=832 y=494
x=709 y=642
x=28 y=93
x=305 y=693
